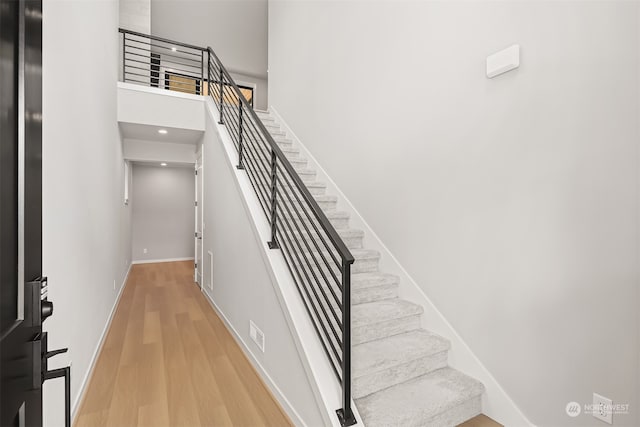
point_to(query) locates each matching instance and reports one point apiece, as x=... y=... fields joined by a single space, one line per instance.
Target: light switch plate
x=506 y=60
x=256 y=335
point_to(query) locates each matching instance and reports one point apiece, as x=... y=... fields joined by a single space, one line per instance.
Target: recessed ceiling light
x=162 y=131
x=174 y=48
x=163 y=164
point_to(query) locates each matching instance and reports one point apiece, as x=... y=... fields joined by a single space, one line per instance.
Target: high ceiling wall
x=235 y=29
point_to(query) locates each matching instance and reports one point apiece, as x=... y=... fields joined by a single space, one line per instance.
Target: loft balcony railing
x=317 y=258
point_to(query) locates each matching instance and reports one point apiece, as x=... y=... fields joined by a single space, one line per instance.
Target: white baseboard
x=496 y=403
x=92 y=363
x=275 y=390
x=154 y=261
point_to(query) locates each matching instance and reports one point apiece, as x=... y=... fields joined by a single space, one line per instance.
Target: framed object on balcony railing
x=182 y=82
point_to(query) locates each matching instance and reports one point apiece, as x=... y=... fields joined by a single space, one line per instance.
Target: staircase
x=399 y=370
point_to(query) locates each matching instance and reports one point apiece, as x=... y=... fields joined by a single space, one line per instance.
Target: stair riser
x=291 y=155
x=298 y=164
x=380 y=330
x=317 y=191
x=330 y=205
x=366 y=265
x=378 y=293
x=456 y=415
x=307 y=177
x=338 y=223
x=283 y=142
x=352 y=242
x=367 y=384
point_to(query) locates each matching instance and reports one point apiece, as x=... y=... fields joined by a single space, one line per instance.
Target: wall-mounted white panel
x=159 y=107
x=506 y=60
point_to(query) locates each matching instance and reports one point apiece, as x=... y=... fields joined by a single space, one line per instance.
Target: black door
x=20 y=212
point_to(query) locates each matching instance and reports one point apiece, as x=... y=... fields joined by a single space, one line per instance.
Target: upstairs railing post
x=240 y=166
x=273 y=244
x=221 y=121
x=201 y=73
x=124 y=36
x=208 y=72
x=345 y=414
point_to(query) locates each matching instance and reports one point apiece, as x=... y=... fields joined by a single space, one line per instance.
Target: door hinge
x=196 y=265
x=196 y=234
x=196 y=203
x=196 y=171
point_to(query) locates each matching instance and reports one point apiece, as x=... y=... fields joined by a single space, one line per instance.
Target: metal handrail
x=160 y=39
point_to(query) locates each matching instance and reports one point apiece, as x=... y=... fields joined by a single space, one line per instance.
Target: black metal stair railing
x=317 y=257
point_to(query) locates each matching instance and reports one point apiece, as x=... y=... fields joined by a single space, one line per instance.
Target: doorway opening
x=199 y=261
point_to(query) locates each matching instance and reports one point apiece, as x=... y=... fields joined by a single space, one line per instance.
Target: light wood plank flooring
x=168 y=360
x=480 y=421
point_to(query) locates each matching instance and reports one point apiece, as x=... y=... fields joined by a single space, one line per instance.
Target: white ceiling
x=158 y=164
x=150 y=133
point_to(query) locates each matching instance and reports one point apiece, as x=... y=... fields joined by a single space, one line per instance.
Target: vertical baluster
x=346 y=414
x=273 y=244
x=209 y=71
x=221 y=95
x=240 y=165
x=124 y=76
x=200 y=91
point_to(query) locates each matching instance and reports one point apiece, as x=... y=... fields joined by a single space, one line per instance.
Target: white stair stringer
x=400 y=372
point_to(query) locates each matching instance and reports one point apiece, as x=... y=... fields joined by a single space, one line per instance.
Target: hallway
x=168 y=359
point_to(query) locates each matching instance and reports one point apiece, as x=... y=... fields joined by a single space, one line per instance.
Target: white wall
x=154 y=151
x=163 y=221
x=235 y=29
x=86 y=228
x=135 y=15
x=240 y=284
x=159 y=107
x=513 y=202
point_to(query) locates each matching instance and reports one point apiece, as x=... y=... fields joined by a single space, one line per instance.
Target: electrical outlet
x=144 y=250
x=256 y=335
x=602 y=408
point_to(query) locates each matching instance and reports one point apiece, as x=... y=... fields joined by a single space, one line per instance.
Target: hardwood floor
x=480 y=421
x=168 y=360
